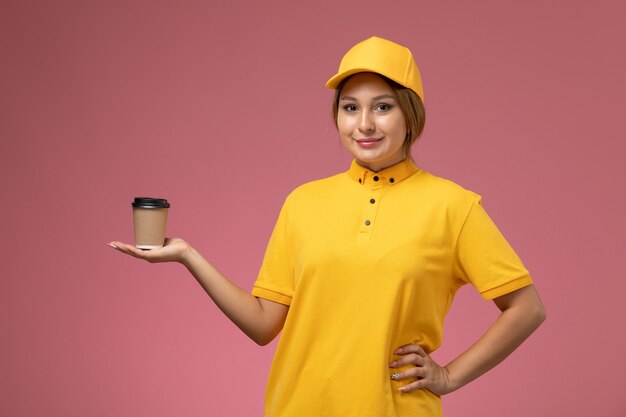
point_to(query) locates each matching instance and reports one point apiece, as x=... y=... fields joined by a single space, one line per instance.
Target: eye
x=350 y=107
x=383 y=107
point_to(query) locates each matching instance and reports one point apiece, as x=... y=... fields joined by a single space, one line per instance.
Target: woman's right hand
x=260 y=319
x=174 y=250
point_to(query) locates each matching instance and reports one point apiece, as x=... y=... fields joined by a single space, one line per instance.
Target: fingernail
x=403 y=389
x=112 y=245
x=399 y=350
x=394 y=363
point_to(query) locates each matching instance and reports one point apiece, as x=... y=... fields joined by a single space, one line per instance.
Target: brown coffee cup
x=149 y=220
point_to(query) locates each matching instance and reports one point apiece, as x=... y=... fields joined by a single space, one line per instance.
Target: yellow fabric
x=382 y=57
x=369 y=262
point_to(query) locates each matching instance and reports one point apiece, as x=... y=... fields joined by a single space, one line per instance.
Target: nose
x=366 y=122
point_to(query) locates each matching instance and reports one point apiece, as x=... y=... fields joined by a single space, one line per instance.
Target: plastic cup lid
x=148 y=202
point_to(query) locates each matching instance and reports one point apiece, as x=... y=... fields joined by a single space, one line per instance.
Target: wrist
x=187 y=256
x=452 y=382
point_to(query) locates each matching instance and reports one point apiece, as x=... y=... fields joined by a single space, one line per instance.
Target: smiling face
x=370 y=122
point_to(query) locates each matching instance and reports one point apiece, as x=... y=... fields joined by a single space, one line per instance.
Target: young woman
x=362 y=267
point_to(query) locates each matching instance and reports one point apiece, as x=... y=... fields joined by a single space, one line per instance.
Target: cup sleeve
x=275 y=281
x=485 y=259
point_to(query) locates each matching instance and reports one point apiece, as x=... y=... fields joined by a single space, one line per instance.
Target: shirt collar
x=391 y=175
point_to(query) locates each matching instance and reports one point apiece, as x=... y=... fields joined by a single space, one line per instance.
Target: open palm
x=174 y=250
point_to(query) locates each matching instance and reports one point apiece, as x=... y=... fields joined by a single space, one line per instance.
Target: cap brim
x=334 y=82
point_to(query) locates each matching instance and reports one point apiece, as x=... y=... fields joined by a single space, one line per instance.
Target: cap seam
x=406 y=66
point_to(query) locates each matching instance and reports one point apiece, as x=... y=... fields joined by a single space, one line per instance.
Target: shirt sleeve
x=485 y=259
x=275 y=281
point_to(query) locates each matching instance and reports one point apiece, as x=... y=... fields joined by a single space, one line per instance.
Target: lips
x=368 y=142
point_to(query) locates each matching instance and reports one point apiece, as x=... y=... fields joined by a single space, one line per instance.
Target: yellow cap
x=382 y=57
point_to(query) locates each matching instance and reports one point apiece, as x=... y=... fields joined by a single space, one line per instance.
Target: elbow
x=268 y=323
x=543 y=314
x=259 y=339
x=262 y=341
x=262 y=338
x=539 y=314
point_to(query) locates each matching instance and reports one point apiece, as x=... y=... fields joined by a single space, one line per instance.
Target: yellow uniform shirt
x=368 y=262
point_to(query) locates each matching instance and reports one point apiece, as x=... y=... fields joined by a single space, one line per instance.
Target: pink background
x=221 y=108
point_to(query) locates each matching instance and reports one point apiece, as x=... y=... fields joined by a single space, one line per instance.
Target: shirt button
x=375 y=177
x=372 y=201
x=391 y=180
x=367 y=222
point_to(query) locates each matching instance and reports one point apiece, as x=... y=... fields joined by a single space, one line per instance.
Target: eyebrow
x=384 y=96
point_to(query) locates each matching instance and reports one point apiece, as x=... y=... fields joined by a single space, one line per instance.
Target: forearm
x=515 y=323
x=241 y=307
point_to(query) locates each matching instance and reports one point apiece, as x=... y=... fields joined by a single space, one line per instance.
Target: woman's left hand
x=428 y=373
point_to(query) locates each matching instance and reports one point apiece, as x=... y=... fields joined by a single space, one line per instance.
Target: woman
x=362 y=267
